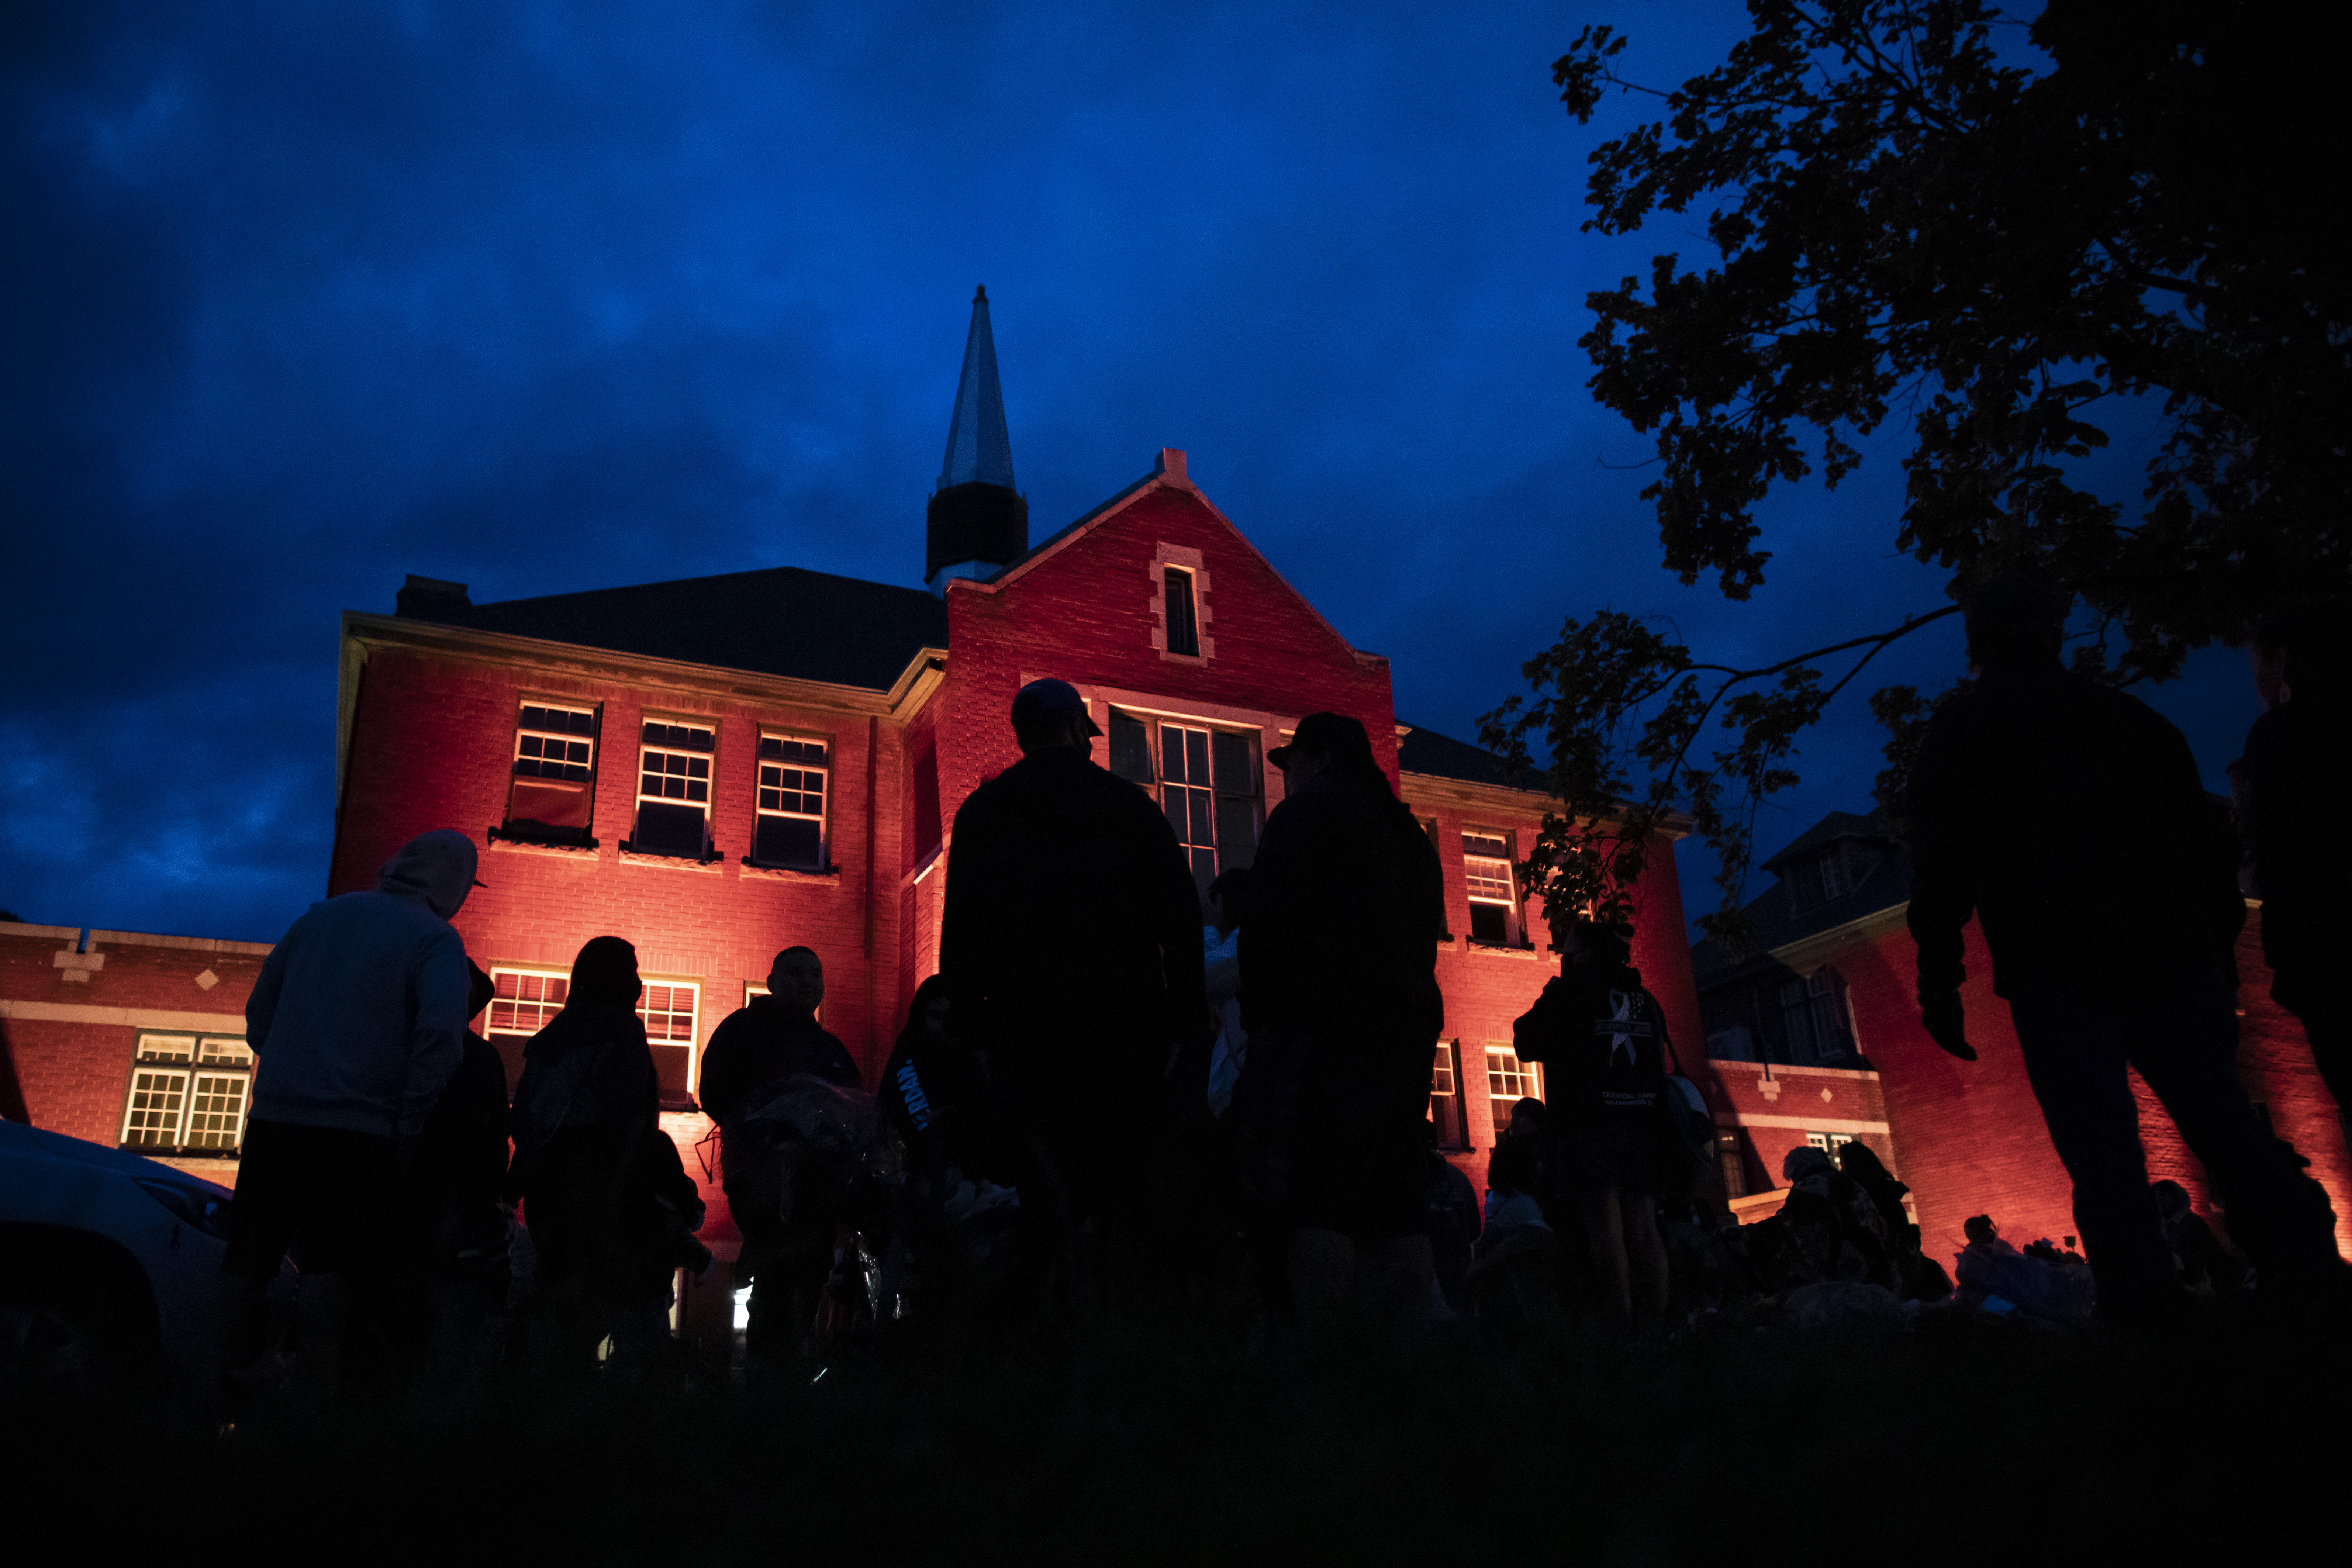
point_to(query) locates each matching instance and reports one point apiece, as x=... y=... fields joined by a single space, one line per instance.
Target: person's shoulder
x=734 y=1027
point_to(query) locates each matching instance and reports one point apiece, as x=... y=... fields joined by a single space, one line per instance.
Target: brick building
x=1815 y=1036
x=719 y=767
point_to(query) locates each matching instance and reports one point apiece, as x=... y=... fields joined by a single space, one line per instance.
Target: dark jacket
x=762 y=1045
x=1602 y=1040
x=589 y=1067
x=1071 y=916
x=938 y=1098
x=461 y=1165
x=2070 y=819
x=1347 y=906
x=2293 y=772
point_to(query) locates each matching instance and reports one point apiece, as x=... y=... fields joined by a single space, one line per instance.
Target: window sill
x=630 y=856
x=1502 y=949
x=510 y=843
x=830 y=875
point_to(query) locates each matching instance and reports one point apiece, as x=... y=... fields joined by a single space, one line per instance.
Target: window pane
x=665 y=829
x=1487 y=879
x=1489 y=923
x=158 y=1101
x=795 y=841
x=217 y=1110
x=1172 y=754
x=1183 y=629
x=1492 y=844
x=225 y=1053
x=1196 y=756
x=1235 y=774
x=1130 y=748
x=1236 y=827
x=166 y=1047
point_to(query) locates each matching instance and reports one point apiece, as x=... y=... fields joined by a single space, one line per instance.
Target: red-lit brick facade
x=1967 y=1136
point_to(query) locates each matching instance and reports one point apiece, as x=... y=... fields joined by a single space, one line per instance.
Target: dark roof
x=1835 y=826
x=1773 y=919
x=1442 y=756
x=807 y=625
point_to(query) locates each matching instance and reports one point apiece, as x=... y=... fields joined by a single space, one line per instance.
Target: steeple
x=977 y=521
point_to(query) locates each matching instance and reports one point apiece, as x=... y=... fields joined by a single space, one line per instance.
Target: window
x=1830 y=873
x=1813 y=1017
x=188 y=1093
x=791 y=831
x=1208 y=783
x=1183 y=619
x=669 y=1008
x=1494 y=901
x=554 y=789
x=1828 y=1143
x=673 y=789
x=1508 y=1081
x=1735 y=1043
x=1445 y=1097
x=1729 y=1161
x=523 y=1003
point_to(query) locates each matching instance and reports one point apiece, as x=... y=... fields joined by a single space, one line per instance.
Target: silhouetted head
x=1229 y=898
x=2015 y=623
x=1858 y=1160
x=1325 y=743
x=479 y=991
x=1512 y=1167
x=796 y=981
x=1529 y=1118
x=1609 y=944
x=927 y=1015
x=2303 y=650
x=1803 y=1161
x=437 y=867
x=2171 y=1200
x=1980 y=1227
x=1050 y=716
x=606 y=973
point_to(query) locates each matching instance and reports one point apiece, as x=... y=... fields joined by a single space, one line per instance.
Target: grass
x=1147 y=1442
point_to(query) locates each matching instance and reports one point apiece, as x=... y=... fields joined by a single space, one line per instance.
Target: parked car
x=108 y=1264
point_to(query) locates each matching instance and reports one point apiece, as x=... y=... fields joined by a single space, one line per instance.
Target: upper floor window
x=1208 y=781
x=673 y=789
x=793 y=776
x=1813 y=1018
x=1494 y=898
x=188 y=1092
x=671 y=1010
x=1183 y=615
x=1830 y=873
x=553 y=793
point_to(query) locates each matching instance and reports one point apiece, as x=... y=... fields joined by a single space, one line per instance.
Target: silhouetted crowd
x=1098 y=1103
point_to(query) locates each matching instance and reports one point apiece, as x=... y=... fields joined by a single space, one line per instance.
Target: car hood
x=19 y=1141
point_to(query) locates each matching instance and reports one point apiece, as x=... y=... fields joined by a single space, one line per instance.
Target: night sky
x=301 y=298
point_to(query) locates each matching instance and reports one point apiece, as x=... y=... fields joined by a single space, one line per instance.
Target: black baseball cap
x=1044 y=698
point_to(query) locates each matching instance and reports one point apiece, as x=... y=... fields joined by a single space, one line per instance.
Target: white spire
x=979 y=450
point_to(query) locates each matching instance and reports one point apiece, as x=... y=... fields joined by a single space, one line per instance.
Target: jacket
x=760 y=1044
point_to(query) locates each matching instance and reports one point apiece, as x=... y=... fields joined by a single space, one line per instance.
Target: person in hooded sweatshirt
x=1601 y=1038
x=586 y=1120
x=357 y=1021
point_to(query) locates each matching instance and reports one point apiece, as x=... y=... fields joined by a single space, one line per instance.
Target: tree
x=1993 y=239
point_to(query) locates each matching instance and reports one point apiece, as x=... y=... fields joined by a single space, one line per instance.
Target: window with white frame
x=525 y=1001
x=188 y=1093
x=674 y=788
x=554 y=788
x=1508 y=1081
x=794 y=773
x=1208 y=781
x=1445 y=1097
x=671 y=1009
x=1183 y=613
x=1813 y=1017
x=1494 y=897
x=1828 y=1143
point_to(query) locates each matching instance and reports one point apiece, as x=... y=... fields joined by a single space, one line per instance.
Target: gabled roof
x=1775 y=922
x=804 y=625
x=1434 y=755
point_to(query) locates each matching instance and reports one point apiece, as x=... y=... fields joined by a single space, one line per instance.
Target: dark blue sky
x=549 y=297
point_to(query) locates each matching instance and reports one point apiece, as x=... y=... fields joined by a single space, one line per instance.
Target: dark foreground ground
x=1971 y=1444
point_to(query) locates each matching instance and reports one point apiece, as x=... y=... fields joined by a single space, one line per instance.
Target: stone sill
x=1790 y=1070
x=502 y=844
x=629 y=857
x=1502 y=950
x=830 y=876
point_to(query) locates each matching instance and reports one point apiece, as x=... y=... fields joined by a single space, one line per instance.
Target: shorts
x=1337 y=1129
x=1605 y=1158
x=325 y=1192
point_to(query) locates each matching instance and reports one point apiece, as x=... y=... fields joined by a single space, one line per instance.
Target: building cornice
x=1435 y=789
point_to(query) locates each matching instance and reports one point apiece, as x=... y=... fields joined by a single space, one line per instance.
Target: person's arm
x=1943 y=886
x=1534 y=1032
x=441 y=985
x=717 y=1085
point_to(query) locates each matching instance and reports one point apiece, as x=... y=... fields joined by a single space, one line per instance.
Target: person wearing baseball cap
x=1071 y=948
x=1339 y=998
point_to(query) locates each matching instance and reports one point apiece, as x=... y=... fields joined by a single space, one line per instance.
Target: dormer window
x=1183 y=616
x=1828 y=874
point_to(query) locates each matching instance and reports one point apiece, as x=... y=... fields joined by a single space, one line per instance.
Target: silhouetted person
x=752 y=1055
x=586 y=1120
x=1602 y=1037
x=2070 y=820
x=1922 y=1277
x=2297 y=762
x=459 y=1224
x=1455 y=1223
x=1071 y=944
x=357 y=1021
x=1339 y=996
x=1222 y=961
x=2206 y=1267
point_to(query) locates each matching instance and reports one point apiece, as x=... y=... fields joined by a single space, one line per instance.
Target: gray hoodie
x=359 y=1017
